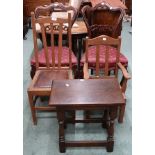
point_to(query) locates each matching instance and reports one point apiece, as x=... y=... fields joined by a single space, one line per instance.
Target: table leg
x=105 y=119
x=61 y=120
x=110 y=138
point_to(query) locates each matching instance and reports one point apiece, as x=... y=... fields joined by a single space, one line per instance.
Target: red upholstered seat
x=64 y=59
x=112 y=57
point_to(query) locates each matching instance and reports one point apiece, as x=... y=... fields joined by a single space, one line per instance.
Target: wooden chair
x=54 y=10
x=54 y=66
x=103 y=45
x=103 y=19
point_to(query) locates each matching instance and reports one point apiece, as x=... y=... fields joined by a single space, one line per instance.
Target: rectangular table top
x=113 y=3
x=90 y=92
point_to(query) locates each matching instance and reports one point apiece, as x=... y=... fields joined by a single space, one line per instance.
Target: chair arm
x=125 y=77
x=85 y=71
x=124 y=71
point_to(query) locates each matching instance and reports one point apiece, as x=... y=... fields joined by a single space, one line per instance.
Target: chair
x=51 y=63
x=102 y=65
x=103 y=19
x=53 y=10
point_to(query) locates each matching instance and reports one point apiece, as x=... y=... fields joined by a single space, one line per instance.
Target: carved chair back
x=52 y=54
x=103 y=19
x=59 y=9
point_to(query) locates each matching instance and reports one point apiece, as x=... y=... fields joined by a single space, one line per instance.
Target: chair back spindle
x=103 y=44
x=56 y=28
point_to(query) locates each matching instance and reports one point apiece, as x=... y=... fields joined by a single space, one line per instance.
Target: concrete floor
x=43 y=138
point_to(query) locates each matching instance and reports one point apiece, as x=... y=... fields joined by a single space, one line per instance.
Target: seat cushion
x=112 y=57
x=64 y=60
x=45 y=77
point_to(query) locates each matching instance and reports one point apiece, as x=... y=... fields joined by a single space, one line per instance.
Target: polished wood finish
x=103 y=71
x=113 y=3
x=60 y=1
x=103 y=19
x=44 y=76
x=128 y=4
x=57 y=10
x=31 y=5
x=97 y=94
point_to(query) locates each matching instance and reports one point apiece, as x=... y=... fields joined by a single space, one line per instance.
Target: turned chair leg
x=32 y=106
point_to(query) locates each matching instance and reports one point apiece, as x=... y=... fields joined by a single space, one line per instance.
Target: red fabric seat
x=112 y=57
x=64 y=59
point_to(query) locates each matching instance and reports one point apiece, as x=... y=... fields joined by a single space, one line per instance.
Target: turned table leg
x=110 y=128
x=105 y=123
x=61 y=120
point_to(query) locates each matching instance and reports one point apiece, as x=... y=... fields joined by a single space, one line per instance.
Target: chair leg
x=33 y=111
x=121 y=114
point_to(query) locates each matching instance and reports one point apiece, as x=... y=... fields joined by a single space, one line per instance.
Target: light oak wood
x=53 y=31
x=107 y=42
x=44 y=76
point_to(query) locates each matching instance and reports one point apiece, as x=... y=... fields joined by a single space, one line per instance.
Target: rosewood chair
x=54 y=10
x=103 y=19
x=104 y=45
x=54 y=62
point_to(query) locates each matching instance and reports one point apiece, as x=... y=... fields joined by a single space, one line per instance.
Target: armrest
x=125 y=77
x=85 y=71
x=124 y=71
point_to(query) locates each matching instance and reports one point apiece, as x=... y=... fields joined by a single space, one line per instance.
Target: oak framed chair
x=54 y=10
x=56 y=62
x=102 y=64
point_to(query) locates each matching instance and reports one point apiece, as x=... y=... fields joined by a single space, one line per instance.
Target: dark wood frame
x=90 y=18
x=71 y=100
